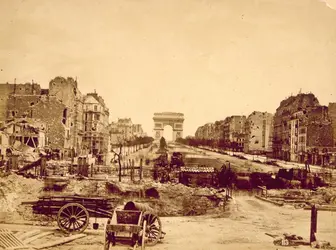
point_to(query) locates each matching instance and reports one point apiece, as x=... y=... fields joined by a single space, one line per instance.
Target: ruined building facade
x=304 y=130
x=60 y=108
x=258 y=133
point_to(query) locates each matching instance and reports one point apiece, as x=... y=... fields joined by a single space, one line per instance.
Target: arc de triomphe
x=175 y=120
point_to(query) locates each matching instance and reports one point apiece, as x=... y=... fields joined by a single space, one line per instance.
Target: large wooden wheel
x=73 y=218
x=153 y=229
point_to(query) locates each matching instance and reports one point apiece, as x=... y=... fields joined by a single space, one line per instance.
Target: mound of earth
x=13 y=190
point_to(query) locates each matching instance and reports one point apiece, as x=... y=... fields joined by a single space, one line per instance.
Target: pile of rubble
x=58 y=167
x=170 y=199
x=13 y=190
x=178 y=199
x=86 y=187
x=322 y=195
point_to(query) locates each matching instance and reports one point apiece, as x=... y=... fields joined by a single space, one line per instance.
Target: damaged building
x=303 y=131
x=258 y=137
x=60 y=107
x=22 y=135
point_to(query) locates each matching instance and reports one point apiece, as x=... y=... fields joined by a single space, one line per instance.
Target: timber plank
x=60 y=241
x=38 y=236
x=28 y=234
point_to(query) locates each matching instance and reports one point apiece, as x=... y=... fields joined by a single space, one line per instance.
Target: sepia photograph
x=167 y=124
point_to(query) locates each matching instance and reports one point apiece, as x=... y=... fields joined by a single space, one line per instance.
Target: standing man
x=307 y=165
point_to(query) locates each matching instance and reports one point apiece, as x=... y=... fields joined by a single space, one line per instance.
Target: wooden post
x=140 y=169
x=79 y=166
x=313 y=224
x=43 y=166
x=224 y=203
x=132 y=170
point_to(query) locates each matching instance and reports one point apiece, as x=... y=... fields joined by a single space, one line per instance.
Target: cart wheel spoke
x=65 y=213
x=76 y=208
x=154 y=219
x=67 y=225
x=81 y=212
x=82 y=216
x=64 y=221
x=76 y=225
x=154 y=231
x=69 y=211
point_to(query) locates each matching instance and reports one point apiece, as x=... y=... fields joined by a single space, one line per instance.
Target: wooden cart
x=73 y=212
x=136 y=223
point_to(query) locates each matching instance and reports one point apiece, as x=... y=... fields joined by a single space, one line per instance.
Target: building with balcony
x=96 y=118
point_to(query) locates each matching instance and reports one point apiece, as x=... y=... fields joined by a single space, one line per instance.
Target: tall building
x=258 y=128
x=281 y=124
x=66 y=91
x=234 y=131
x=303 y=130
x=96 y=119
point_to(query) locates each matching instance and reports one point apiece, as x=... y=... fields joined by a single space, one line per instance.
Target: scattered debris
x=289 y=240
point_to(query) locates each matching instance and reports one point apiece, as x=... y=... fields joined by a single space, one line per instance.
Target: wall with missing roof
x=51 y=111
x=5 y=91
x=19 y=106
x=45 y=108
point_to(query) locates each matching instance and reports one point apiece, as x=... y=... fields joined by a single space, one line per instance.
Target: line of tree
x=220 y=144
x=122 y=142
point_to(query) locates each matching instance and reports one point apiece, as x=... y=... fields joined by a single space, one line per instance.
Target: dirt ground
x=242 y=228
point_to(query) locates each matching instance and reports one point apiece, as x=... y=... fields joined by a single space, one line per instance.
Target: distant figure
x=307 y=166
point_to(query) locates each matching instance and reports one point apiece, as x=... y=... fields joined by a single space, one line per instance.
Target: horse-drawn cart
x=136 y=223
x=73 y=212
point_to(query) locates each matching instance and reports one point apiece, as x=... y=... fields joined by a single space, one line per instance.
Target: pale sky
x=205 y=58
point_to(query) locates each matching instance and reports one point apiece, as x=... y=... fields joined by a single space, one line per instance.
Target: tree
x=119 y=157
x=163 y=143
